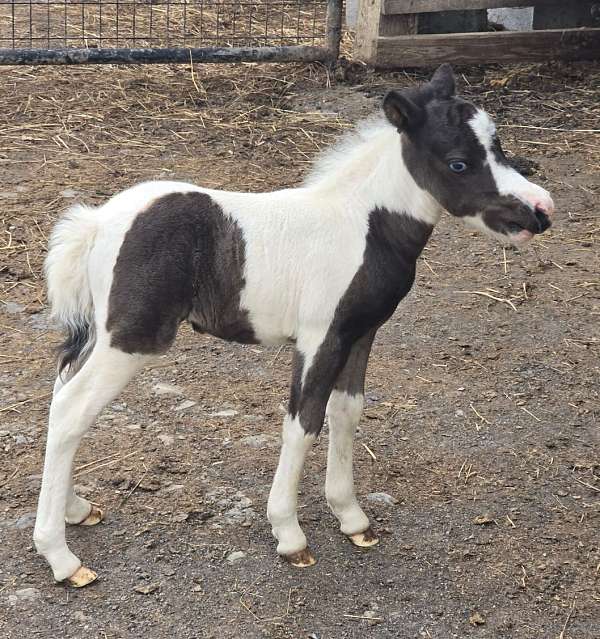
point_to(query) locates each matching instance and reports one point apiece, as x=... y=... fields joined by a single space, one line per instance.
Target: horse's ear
x=402 y=112
x=443 y=82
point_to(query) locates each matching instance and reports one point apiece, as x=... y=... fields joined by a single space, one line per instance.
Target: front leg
x=314 y=373
x=344 y=410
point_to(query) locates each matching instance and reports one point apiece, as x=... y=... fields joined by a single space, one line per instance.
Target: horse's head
x=452 y=150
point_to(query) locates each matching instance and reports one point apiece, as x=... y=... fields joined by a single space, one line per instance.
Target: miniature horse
x=322 y=266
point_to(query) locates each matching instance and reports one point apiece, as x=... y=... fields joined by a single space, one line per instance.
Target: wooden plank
x=481 y=48
x=398 y=25
x=367 y=30
x=391 y=7
x=372 y=24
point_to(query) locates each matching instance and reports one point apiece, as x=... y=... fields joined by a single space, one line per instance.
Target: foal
x=322 y=266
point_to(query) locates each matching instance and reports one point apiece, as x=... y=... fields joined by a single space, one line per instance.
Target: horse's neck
x=368 y=172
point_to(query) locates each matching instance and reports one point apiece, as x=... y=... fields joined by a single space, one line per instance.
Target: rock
x=69 y=193
x=13 y=308
x=476 y=619
x=167 y=389
x=224 y=413
x=482 y=520
x=180 y=517
x=25 y=521
x=81 y=617
x=372 y=616
x=41 y=322
x=185 y=405
x=146 y=589
x=257 y=441
x=167 y=440
x=382 y=498
x=25 y=595
x=21 y=440
x=173 y=488
x=235 y=556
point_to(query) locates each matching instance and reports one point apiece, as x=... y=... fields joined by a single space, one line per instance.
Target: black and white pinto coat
x=321 y=266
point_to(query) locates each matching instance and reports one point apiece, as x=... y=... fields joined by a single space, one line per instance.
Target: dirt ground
x=483 y=404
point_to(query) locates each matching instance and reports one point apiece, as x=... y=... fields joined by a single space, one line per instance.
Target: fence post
x=333 y=22
x=372 y=23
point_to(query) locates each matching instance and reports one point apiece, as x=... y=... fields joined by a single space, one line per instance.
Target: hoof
x=95 y=517
x=301 y=559
x=81 y=577
x=365 y=539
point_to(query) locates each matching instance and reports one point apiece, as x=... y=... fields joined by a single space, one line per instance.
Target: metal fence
x=112 y=31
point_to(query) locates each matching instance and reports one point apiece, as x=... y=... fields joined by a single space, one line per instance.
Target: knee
x=343 y=406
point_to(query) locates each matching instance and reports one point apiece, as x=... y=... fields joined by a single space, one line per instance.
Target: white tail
x=66 y=270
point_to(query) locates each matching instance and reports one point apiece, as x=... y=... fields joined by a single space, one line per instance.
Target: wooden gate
x=397 y=33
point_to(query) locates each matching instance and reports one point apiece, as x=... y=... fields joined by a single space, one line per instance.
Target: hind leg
x=73 y=409
x=78 y=510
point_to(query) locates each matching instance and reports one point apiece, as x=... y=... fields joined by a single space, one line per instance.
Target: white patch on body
x=343 y=412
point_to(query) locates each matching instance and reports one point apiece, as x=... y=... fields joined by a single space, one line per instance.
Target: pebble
x=167 y=389
x=146 y=589
x=24 y=595
x=41 y=322
x=69 y=193
x=382 y=498
x=167 y=440
x=25 y=521
x=173 y=488
x=224 y=413
x=81 y=617
x=13 y=308
x=20 y=440
x=257 y=441
x=185 y=405
x=235 y=556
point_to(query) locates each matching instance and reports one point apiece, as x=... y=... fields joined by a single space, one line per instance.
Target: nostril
x=542 y=219
x=546 y=207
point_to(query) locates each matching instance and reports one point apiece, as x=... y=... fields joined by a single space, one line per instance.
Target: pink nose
x=538 y=198
x=546 y=205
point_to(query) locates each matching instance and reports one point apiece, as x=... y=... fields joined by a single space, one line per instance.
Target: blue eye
x=457 y=166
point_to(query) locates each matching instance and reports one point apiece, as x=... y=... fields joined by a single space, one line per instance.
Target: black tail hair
x=70 y=351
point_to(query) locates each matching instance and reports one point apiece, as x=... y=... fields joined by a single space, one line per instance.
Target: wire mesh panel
x=137 y=24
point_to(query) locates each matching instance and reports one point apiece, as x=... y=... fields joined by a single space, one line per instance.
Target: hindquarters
x=182 y=258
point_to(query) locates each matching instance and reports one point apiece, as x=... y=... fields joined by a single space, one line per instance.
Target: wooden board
x=390 y=7
x=372 y=24
x=482 y=48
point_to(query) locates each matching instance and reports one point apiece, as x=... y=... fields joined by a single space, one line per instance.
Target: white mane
x=351 y=153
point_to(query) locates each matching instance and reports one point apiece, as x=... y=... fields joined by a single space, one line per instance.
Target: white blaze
x=508 y=181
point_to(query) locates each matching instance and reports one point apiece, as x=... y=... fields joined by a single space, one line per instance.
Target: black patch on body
x=394 y=242
x=181 y=259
